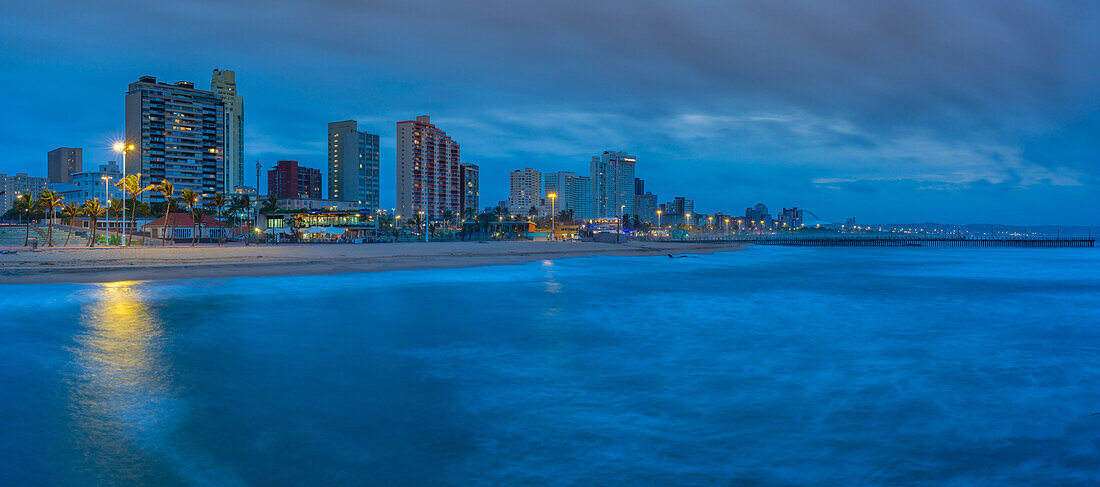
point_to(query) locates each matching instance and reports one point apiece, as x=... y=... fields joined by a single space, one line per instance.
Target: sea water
x=771 y=366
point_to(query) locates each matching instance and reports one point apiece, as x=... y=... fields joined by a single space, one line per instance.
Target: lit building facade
x=353 y=165
x=179 y=135
x=524 y=191
x=16 y=185
x=428 y=175
x=289 y=180
x=612 y=184
x=645 y=207
x=758 y=217
x=469 y=176
x=92 y=185
x=62 y=162
x=790 y=218
x=224 y=85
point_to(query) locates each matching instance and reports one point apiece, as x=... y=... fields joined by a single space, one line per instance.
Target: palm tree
x=269 y=205
x=218 y=203
x=196 y=223
x=69 y=212
x=93 y=210
x=49 y=201
x=448 y=216
x=168 y=190
x=115 y=206
x=24 y=204
x=417 y=221
x=533 y=211
x=132 y=184
x=191 y=198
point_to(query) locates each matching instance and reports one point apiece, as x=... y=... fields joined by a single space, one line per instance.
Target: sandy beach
x=103 y=264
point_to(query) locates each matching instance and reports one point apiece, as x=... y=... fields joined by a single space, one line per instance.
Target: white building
x=525 y=191
x=612 y=184
x=224 y=85
x=91 y=185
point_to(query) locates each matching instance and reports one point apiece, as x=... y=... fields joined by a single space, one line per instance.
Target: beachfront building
x=353 y=164
x=19 y=184
x=91 y=185
x=316 y=204
x=612 y=184
x=573 y=193
x=289 y=180
x=224 y=85
x=62 y=162
x=428 y=175
x=181 y=226
x=178 y=133
x=790 y=218
x=468 y=177
x=758 y=217
x=525 y=191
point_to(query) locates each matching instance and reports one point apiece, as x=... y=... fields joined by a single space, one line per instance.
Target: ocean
x=769 y=366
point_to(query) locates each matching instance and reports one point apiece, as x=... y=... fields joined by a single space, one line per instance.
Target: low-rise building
x=181 y=225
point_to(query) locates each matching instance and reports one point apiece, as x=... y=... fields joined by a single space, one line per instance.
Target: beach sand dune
x=110 y=264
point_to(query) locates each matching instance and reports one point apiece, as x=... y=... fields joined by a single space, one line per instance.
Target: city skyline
x=892 y=130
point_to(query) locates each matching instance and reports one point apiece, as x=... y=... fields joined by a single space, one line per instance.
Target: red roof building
x=180 y=226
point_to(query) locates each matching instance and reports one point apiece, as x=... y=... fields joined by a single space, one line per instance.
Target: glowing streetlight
x=123 y=148
x=553 y=197
x=658 y=218
x=687 y=220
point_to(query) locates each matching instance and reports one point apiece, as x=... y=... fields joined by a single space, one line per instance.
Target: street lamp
x=622 y=208
x=425 y=216
x=658 y=218
x=687 y=220
x=727 y=225
x=121 y=147
x=553 y=197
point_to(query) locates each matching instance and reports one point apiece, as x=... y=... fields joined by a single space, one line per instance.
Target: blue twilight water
x=772 y=366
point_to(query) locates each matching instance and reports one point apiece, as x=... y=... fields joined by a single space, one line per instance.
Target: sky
x=946 y=111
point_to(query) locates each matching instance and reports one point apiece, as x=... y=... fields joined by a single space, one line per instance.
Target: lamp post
x=687 y=220
x=727 y=226
x=622 y=208
x=425 y=215
x=107 y=199
x=553 y=197
x=121 y=147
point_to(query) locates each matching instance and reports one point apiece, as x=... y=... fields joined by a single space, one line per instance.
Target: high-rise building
x=224 y=85
x=289 y=180
x=62 y=162
x=758 y=217
x=790 y=218
x=352 y=164
x=612 y=184
x=574 y=192
x=524 y=191
x=469 y=174
x=428 y=177
x=179 y=135
x=639 y=186
x=19 y=184
x=645 y=207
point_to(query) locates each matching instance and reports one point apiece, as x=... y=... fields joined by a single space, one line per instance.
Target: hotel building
x=428 y=178
x=224 y=85
x=468 y=177
x=62 y=162
x=525 y=191
x=179 y=135
x=352 y=164
x=612 y=184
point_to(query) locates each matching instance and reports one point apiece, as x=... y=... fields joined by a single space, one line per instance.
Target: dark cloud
x=782 y=99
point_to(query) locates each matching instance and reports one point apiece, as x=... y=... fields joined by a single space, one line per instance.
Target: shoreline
x=100 y=265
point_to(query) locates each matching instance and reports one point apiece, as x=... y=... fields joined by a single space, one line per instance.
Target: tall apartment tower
x=525 y=191
x=352 y=164
x=11 y=187
x=574 y=192
x=179 y=135
x=468 y=177
x=224 y=85
x=428 y=178
x=62 y=162
x=612 y=184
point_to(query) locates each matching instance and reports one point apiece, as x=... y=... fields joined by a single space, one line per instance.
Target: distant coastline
x=99 y=265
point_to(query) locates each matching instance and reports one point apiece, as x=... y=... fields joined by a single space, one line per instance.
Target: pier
x=900 y=241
